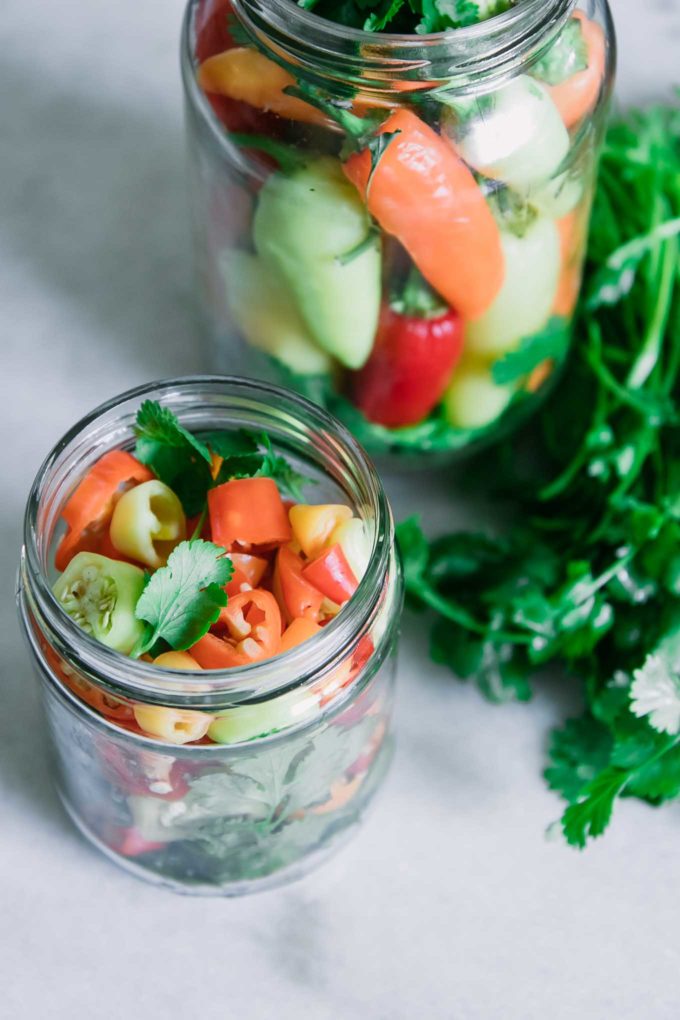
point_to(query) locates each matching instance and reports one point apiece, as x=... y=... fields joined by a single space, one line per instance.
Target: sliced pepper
x=298 y=631
x=331 y=574
x=248 y=630
x=313 y=524
x=297 y=596
x=89 y=510
x=248 y=511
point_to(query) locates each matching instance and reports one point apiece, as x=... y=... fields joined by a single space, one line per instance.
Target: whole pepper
x=311 y=226
x=421 y=192
x=416 y=350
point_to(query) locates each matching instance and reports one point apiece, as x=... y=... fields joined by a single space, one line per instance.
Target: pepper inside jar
x=400 y=239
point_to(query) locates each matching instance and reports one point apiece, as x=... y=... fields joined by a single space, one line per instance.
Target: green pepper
x=313 y=229
x=267 y=316
x=100 y=595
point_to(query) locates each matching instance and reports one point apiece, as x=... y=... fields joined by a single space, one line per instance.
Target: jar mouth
x=284 y=415
x=463 y=59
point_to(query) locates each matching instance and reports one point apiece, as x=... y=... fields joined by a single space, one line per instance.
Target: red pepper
x=249 y=511
x=295 y=594
x=409 y=368
x=331 y=574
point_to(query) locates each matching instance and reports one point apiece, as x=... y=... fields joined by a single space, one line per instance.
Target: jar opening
x=208 y=402
x=352 y=60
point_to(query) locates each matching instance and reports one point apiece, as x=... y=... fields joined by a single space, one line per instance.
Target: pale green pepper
x=267 y=316
x=527 y=296
x=313 y=229
x=100 y=595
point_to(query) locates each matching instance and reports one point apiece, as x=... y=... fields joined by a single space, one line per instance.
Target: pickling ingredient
x=314 y=231
x=176 y=660
x=183 y=599
x=267 y=316
x=410 y=366
x=248 y=572
x=567 y=56
x=246 y=75
x=408 y=16
x=423 y=194
x=88 y=511
x=526 y=298
x=245 y=722
x=332 y=575
x=172 y=725
x=100 y=596
x=313 y=525
x=355 y=541
x=248 y=512
x=576 y=96
x=296 y=595
x=514 y=135
x=557 y=197
x=249 y=630
x=297 y=632
x=148 y=523
x=473 y=399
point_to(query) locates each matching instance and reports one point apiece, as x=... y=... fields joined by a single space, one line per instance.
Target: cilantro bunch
x=407 y=16
x=587 y=577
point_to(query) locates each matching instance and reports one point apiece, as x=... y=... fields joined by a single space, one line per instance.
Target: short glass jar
x=402 y=239
x=305 y=737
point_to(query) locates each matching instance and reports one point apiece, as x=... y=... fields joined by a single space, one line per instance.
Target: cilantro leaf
x=175 y=456
x=183 y=599
x=157 y=426
x=552 y=342
x=289 y=481
x=592 y=812
x=184 y=461
x=578 y=753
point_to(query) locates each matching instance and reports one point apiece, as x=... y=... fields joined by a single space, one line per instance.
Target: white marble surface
x=450 y=905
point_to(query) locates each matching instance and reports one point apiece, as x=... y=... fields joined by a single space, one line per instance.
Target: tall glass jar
x=305 y=737
x=396 y=225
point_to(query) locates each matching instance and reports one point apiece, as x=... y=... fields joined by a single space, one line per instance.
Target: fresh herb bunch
x=406 y=16
x=588 y=576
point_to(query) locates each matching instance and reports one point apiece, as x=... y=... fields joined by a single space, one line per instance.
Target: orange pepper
x=576 y=96
x=249 y=511
x=248 y=630
x=89 y=510
x=295 y=594
x=423 y=194
x=248 y=76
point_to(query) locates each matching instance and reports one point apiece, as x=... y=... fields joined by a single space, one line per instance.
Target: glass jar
x=401 y=240
x=305 y=737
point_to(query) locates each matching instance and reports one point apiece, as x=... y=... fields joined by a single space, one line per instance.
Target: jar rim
x=463 y=57
x=293 y=669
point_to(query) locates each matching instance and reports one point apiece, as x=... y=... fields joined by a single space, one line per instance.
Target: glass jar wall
x=256 y=773
x=396 y=225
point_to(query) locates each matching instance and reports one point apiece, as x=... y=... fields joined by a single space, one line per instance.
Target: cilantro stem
x=452 y=611
x=196 y=533
x=285 y=155
x=649 y=355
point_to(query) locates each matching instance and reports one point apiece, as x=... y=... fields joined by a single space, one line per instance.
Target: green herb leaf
x=183 y=599
x=552 y=342
x=591 y=814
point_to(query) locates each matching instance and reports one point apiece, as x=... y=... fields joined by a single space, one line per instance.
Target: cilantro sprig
x=421 y=16
x=182 y=600
x=184 y=461
x=586 y=577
